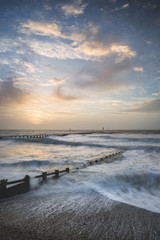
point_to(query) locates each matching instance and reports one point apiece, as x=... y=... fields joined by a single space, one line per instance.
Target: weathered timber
x=56 y=173
x=23 y=186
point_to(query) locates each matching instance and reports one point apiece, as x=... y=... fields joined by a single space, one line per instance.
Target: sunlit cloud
x=138 y=69
x=76 y=37
x=122 y=51
x=56 y=80
x=74 y=9
x=156 y=94
x=40 y=28
x=50 y=30
x=98 y=49
x=126 y=5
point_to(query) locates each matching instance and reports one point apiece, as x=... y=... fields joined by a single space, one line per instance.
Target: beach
x=74 y=216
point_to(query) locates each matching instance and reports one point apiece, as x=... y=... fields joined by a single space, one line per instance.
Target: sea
x=132 y=177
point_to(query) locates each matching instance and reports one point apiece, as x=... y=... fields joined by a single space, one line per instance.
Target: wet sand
x=74 y=215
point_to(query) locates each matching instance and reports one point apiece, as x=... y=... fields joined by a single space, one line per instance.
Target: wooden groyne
x=55 y=174
x=33 y=136
x=23 y=185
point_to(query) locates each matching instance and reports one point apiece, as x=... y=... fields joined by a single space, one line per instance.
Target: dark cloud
x=9 y=94
x=105 y=78
x=64 y=97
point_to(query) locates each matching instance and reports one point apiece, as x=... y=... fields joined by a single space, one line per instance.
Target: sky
x=80 y=64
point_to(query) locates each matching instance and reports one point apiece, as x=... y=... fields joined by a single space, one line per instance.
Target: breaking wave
x=33 y=163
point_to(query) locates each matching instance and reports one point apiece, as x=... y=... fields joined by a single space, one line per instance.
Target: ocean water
x=132 y=177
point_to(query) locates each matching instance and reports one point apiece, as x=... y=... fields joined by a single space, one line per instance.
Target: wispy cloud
x=24 y=64
x=40 y=28
x=39 y=98
x=152 y=106
x=138 y=69
x=56 y=80
x=59 y=94
x=126 y=5
x=74 y=9
x=156 y=94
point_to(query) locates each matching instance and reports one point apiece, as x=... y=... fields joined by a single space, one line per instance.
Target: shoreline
x=73 y=216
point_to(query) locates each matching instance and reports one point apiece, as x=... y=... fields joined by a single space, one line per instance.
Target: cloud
x=39 y=98
x=98 y=49
x=4 y=61
x=152 y=106
x=50 y=30
x=9 y=94
x=47 y=7
x=40 y=28
x=156 y=94
x=122 y=51
x=76 y=36
x=93 y=50
x=121 y=8
x=65 y=97
x=57 y=50
x=138 y=69
x=4 y=45
x=23 y=83
x=105 y=78
x=29 y=67
x=56 y=80
x=149 y=43
x=125 y=5
x=66 y=113
x=79 y=49
x=74 y=9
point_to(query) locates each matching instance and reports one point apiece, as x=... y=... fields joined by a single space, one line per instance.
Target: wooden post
x=27 y=182
x=67 y=170
x=44 y=176
x=57 y=173
x=3 y=184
